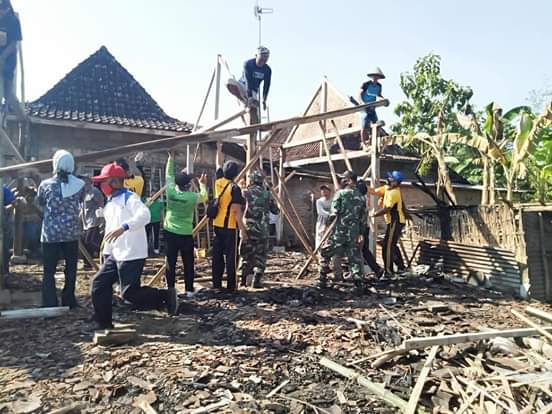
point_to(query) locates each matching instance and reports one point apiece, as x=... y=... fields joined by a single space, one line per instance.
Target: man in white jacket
x=125 y=249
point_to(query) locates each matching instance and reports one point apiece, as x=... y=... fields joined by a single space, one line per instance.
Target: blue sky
x=498 y=48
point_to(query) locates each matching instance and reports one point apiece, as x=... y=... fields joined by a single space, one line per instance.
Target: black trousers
x=92 y=240
x=390 y=249
x=52 y=253
x=128 y=274
x=152 y=231
x=225 y=246
x=367 y=254
x=184 y=245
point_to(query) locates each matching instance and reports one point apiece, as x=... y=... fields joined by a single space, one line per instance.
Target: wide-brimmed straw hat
x=376 y=72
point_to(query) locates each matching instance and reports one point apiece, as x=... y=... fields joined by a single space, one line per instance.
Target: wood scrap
x=111 y=337
x=532 y=324
x=417 y=391
x=376 y=389
x=34 y=313
x=545 y=316
x=420 y=343
x=211 y=407
x=277 y=389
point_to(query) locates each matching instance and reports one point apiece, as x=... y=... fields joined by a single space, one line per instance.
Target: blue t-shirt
x=370 y=91
x=60 y=222
x=9 y=197
x=253 y=75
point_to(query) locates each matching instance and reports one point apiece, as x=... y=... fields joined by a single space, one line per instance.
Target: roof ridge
x=101 y=90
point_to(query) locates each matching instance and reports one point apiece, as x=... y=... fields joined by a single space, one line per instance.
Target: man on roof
x=10 y=36
x=370 y=91
x=255 y=72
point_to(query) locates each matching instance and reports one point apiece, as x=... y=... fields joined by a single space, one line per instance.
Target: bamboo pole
x=325 y=237
x=341 y=146
x=376 y=389
x=293 y=209
x=375 y=167
x=329 y=157
x=285 y=212
x=532 y=324
x=545 y=316
x=163 y=144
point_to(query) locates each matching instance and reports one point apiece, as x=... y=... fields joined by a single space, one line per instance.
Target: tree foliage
x=432 y=101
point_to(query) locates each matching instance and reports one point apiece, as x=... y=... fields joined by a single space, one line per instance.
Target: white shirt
x=127 y=208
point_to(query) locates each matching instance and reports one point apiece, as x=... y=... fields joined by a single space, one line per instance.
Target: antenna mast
x=258 y=11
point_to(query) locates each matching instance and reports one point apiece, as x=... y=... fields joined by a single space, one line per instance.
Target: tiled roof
x=100 y=90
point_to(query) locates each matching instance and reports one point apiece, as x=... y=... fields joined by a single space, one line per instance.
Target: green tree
x=428 y=117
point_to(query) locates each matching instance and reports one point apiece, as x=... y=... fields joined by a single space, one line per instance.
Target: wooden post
x=375 y=164
x=323 y=107
x=341 y=146
x=285 y=212
x=329 y=157
x=252 y=139
x=547 y=281
x=280 y=223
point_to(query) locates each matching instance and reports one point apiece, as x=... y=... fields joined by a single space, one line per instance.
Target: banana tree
x=499 y=142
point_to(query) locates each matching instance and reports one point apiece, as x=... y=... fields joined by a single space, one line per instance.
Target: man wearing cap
x=255 y=71
x=350 y=211
x=125 y=249
x=178 y=225
x=253 y=251
x=370 y=91
x=228 y=219
x=395 y=215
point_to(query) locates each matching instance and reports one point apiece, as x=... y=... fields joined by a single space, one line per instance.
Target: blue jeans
x=368 y=117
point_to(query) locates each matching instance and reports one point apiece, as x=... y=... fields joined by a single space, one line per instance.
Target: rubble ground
x=228 y=353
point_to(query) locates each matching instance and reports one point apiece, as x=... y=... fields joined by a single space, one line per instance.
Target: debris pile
x=417 y=343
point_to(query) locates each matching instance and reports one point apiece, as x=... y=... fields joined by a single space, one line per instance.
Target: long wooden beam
x=195 y=138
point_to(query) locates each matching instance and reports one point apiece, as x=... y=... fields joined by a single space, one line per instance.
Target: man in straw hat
x=370 y=91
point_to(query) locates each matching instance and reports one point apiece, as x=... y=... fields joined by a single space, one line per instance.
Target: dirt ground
x=235 y=349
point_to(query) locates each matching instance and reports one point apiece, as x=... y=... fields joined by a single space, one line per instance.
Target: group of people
x=241 y=225
x=347 y=212
x=116 y=221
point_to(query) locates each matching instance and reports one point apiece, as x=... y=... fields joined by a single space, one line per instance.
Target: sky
x=499 y=48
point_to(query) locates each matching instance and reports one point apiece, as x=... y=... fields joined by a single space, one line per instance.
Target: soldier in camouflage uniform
x=349 y=208
x=253 y=251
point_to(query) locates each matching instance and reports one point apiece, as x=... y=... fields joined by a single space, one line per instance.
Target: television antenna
x=258 y=11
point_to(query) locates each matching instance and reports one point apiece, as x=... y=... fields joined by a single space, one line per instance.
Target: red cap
x=110 y=170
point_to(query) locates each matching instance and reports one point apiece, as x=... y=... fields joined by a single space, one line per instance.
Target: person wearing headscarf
x=60 y=198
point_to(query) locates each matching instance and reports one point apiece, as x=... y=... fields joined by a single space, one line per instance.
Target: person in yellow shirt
x=395 y=215
x=134 y=183
x=229 y=218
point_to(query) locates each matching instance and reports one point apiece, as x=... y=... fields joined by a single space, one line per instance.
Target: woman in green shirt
x=154 y=227
x=178 y=225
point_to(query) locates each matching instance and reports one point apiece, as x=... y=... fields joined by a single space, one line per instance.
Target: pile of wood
x=493 y=371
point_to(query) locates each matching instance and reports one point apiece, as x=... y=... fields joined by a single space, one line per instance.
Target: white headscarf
x=64 y=165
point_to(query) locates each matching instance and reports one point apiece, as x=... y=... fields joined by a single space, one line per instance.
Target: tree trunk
x=485 y=181
x=444 y=176
x=509 y=187
x=492 y=182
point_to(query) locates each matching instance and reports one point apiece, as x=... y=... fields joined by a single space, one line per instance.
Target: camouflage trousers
x=346 y=249
x=253 y=254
